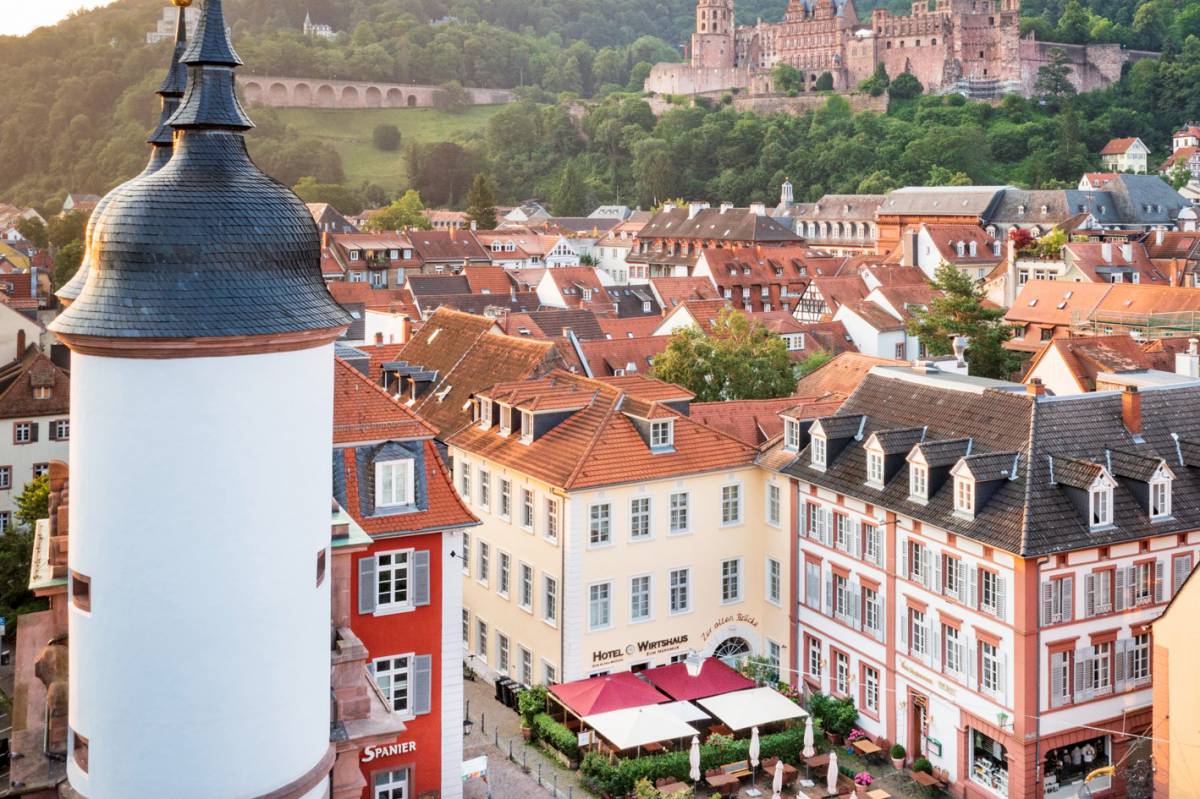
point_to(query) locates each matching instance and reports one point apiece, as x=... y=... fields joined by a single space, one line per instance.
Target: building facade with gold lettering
x=617 y=533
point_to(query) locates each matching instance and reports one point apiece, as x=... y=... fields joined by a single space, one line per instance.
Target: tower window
x=80 y=751
x=320 y=568
x=81 y=591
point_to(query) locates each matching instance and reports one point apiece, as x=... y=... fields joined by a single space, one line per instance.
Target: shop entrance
x=918 y=725
x=1067 y=766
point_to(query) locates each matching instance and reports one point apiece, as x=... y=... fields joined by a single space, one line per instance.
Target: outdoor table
x=673 y=788
x=878 y=793
x=927 y=780
x=866 y=748
x=816 y=761
x=719 y=781
x=653 y=747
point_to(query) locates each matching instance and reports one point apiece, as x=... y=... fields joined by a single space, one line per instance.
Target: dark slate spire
x=207 y=247
x=161 y=140
x=211 y=97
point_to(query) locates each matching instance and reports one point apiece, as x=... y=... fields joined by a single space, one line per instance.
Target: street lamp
x=467 y=725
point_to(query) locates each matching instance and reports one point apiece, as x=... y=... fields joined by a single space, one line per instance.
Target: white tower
x=201 y=413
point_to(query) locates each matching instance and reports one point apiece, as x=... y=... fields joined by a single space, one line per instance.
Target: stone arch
x=412 y=101
x=395 y=98
x=252 y=92
x=349 y=97
x=277 y=94
x=302 y=94
x=326 y=98
x=374 y=97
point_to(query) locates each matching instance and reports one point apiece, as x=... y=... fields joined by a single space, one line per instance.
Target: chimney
x=405 y=329
x=324 y=239
x=923 y=367
x=566 y=332
x=1127 y=252
x=1158 y=236
x=20 y=344
x=909 y=256
x=1131 y=409
x=695 y=208
x=758 y=209
x=1035 y=388
x=725 y=206
x=1187 y=363
x=1106 y=252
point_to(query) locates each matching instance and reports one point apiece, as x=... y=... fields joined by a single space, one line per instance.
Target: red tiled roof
x=378 y=355
x=347 y=292
x=1086 y=356
x=672 y=291
x=1180 y=156
x=488 y=279
x=749 y=421
x=631 y=355
x=840 y=376
x=1039 y=301
x=18 y=379
x=1088 y=257
x=1118 y=146
x=947 y=237
x=598 y=444
x=630 y=326
x=448 y=245
x=363 y=411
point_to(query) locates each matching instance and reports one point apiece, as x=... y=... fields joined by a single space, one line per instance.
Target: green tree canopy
x=1054 y=79
x=878 y=83
x=787 y=78
x=34 y=231
x=824 y=82
x=481 y=203
x=386 y=137
x=402 y=213
x=66 y=261
x=738 y=359
x=345 y=200
x=961 y=311
x=570 y=196
x=905 y=87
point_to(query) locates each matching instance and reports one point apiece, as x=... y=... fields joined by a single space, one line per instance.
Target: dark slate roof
x=990 y=466
x=1008 y=210
x=1030 y=515
x=208 y=245
x=841 y=426
x=896 y=441
x=1190 y=452
x=944 y=453
x=211 y=44
x=1074 y=473
x=480 y=304
x=943 y=201
x=732 y=224
x=438 y=284
x=1133 y=465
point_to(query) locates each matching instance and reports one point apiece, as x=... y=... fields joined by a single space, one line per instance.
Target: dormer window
x=1100 y=506
x=875 y=469
x=791 y=435
x=526 y=427
x=971 y=248
x=354 y=255
x=962 y=248
x=587 y=295
x=918 y=481
x=662 y=434
x=394 y=483
x=485 y=414
x=1160 y=499
x=505 y=419
x=964 y=495
x=41 y=392
x=816 y=451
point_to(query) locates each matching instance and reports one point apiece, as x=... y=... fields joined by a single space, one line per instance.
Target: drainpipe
x=1037 y=682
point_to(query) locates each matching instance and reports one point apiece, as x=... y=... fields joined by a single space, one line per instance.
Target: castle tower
x=202 y=411
x=161 y=143
x=786 y=195
x=713 y=41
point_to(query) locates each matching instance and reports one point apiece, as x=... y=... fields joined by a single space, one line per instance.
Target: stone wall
x=1093 y=66
x=686 y=79
x=280 y=92
x=775 y=104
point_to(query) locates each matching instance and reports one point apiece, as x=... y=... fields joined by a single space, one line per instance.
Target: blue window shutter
x=366 y=584
x=421 y=577
x=423 y=682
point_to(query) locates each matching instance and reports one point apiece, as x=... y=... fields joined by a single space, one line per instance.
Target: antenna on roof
x=1050 y=460
x=1178 y=449
x=970 y=443
x=1108 y=459
x=1016 y=463
x=862 y=423
x=924 y=430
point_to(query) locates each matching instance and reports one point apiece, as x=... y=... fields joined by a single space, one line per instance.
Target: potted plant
x=529 y=704
x=898 y=753
x=921 y=764
x=840 y=715
x=862 y=781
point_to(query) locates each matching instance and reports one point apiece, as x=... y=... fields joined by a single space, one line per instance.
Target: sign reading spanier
x=640 y=648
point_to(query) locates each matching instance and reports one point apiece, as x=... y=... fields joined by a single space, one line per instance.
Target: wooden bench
x=739 y=769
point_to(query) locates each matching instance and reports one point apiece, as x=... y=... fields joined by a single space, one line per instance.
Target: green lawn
x=349 y=131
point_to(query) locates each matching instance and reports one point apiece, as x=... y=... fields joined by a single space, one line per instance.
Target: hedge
x=556 y=735
x=618 y=779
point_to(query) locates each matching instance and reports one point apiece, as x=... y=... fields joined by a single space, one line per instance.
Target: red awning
x=602 y=694
x=715 y=678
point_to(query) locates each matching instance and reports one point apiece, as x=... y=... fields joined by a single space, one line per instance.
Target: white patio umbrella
x=831 y=777
x=754 y=752
x=777 y=782
x=694 y=759
x=808 y=739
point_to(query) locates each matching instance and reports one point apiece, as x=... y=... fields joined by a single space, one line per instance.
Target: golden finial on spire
x=181 y=3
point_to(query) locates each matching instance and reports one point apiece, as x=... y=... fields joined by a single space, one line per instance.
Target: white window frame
x=680 y=506
x=773 y=581
x=600 y=606
x=918 y=481
x=387 y=493
x=1100 y=499
x=526 y=427
x=735 y=503
x=550 y=600
x=505 y=499
x=990 y=678
x=791 y=435
x=774 y=499
x=600 y=525
x=385 y=783
x=964 y=495
x=952 y=649
x=525 y=664
x=686 y=606
x=870 y=688
x=731 y=576
x=483 y=562
x=816 y=452
x=552 y=519
x=637 y=598
x=503 y=573
x=640 y=520
x=662 y=434
x=485 y=488
x=387 y=669
x=397 y=571
x=525 y=586
x=874 y=469
x=503 y=652
x=528 y=509
x=1160 y=507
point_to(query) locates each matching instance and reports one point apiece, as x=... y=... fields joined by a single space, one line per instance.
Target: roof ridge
x=586 y=454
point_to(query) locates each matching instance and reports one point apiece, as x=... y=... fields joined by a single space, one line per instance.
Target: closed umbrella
x=694 y=759
x=777 y=782
x=754 y=750
x=808 y=738
x=831 y=777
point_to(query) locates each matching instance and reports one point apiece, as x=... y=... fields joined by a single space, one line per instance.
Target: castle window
x=933 y=41
x=81 y=591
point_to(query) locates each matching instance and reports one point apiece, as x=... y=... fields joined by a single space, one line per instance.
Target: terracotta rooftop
x=18 y=380
x=755 y=422
x=549 y=323
x=840 y=376
x=1086 y=356
x=598 y=444
x=947 y=237
x=362 y=411
x=1053 y=302
x=630 y=326
x=448 y=246
x=671 y=291
x=1118 y=146
x=1099 y=261
x=629 y=355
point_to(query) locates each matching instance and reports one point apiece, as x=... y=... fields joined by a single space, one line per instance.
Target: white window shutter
x=935 y=643
x=1047 y=602
x=1068 y=598
x=828 y=527
x=421 y=577
x=962 y=582
x=1003 y=679
x=828 y=578
x=972 y=587
x=903 y=629
x=1089 y=582
x=902 y=546
x=926 y=568
x=1081 y=670
x=1001 y=597
x=881 y=603
x=422 y=684
x=970 y=662
x=1119 y=600
x=1058 y=680
x=1182 y=567
x=1160 y=580
x=856 y=538
x=1119 y=654
x=937 y=573
x=366 y=584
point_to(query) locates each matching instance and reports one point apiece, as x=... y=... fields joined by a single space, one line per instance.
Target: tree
x=451 y=96
x=570 y=195
x=402 y=213
x=386 y=137
x=64 y=229
x=66 y=262
x=878 y=83
x=905 y=87
x=345 y=200
x=1179 y=176
x=33 y=230
x=33 y=502
x=960 y=311
x=481 y=203
x=735 y=359
x=813 y=361
x=824 y=82
x=787 y=78
x=1054 y=79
